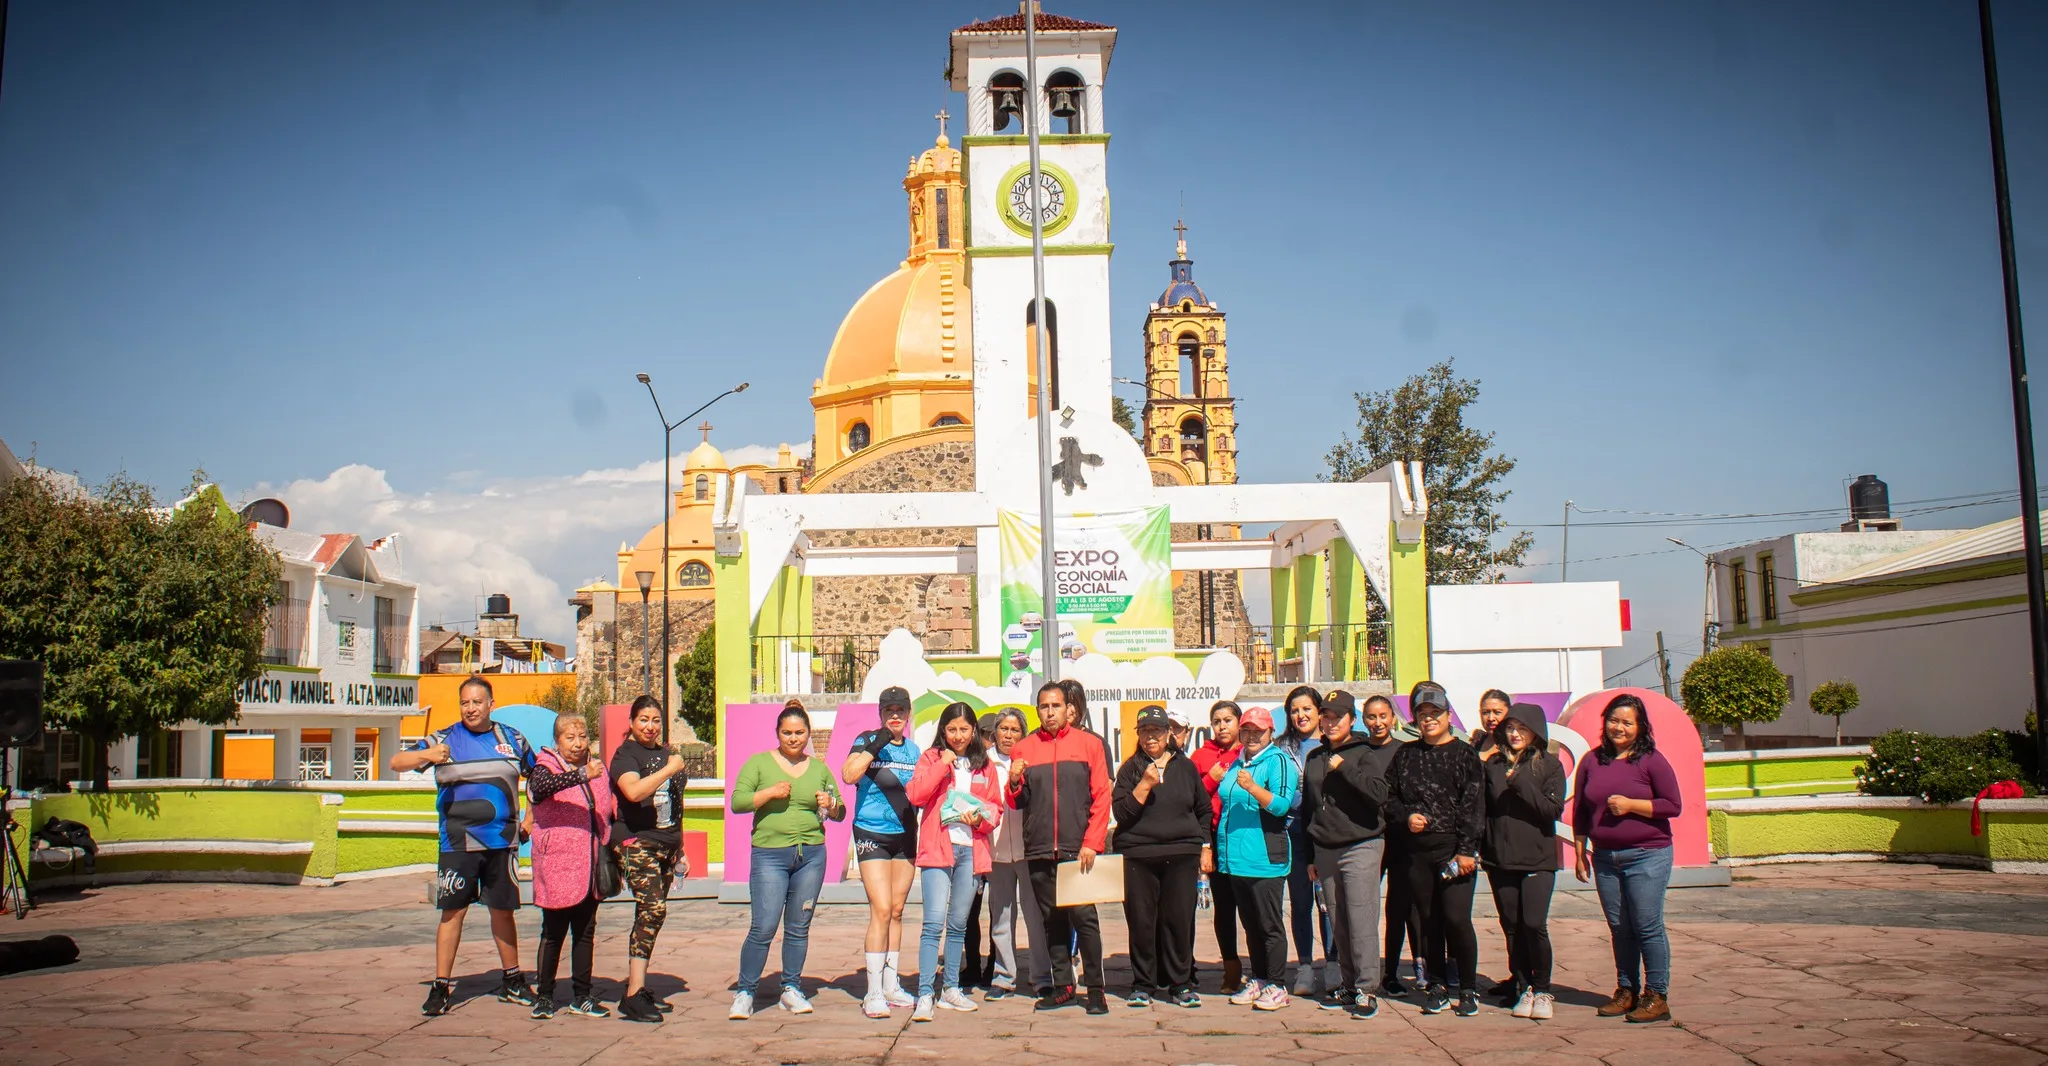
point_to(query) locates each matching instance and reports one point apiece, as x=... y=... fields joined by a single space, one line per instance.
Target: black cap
x=1339 y=702
x=1428 y=692
x=896 y=696
x=1154 y=714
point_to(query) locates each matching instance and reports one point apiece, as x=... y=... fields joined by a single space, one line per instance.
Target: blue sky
x=402 y=261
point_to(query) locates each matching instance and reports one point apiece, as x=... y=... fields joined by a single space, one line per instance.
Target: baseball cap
x=895 y=696
x=1257 y=718
x=1153 y=715
x=1339 y=703
x=1428 y=692
x=1180 y=719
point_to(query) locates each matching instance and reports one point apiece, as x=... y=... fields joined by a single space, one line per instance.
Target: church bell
x=1063 y=105
x=1009 y=105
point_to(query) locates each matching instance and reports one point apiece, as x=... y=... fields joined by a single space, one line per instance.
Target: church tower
x=1190 y=416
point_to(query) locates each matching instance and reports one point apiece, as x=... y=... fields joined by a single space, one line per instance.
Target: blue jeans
x=948 y=895
x=1632 y=883
x=783 y=884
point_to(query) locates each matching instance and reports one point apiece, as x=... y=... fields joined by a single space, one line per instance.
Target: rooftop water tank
x=498 y=603
x=1869 y=499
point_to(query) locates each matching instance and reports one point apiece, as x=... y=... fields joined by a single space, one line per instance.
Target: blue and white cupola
x=1182 y=293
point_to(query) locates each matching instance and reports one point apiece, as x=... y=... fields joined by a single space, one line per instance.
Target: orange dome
x=915 y=322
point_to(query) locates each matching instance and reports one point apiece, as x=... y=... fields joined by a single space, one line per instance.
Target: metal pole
x=1050 y=632
x=646 y=647
x=668 y=507
x=2022 y=412
x=1663 y=664
x=1564 y=554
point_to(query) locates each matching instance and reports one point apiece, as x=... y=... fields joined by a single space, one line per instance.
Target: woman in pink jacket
x=570 y=820
x=958 y=792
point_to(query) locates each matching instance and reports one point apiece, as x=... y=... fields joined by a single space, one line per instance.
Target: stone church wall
x=937 y=608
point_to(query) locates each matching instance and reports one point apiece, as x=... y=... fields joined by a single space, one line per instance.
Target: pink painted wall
x=750 y=728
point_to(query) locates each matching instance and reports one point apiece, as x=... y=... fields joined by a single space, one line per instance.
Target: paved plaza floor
x=1807 y=965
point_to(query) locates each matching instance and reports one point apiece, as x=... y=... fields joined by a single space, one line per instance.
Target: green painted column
x=1408 y=610
x=1285 y=636
x=1351 y=611
x=734 y=681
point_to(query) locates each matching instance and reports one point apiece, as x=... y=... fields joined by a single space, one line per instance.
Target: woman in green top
x=790 y=794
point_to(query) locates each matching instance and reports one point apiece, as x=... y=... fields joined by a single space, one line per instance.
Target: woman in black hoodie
x=1344 y=786
x=1436 y=796
x=1524 y=796
x=1162 y=831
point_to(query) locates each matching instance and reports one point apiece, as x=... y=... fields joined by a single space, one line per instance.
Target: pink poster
x=749 y=729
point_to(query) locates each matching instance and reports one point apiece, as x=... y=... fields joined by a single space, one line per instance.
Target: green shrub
x=1937 y=769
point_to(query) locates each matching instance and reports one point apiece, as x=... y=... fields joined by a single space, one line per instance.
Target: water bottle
x=1202 y=897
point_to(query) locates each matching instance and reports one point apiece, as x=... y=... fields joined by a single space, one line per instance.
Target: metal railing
x=389 y=653
x=1359 y=651
x=284 y=633
x=813 y=662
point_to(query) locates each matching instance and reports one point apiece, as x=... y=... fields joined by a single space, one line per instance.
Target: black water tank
x=498 y=603
x=1868 y=499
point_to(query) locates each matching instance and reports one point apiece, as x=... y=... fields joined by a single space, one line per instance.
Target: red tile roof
x=1046 y=23
x=331 y=547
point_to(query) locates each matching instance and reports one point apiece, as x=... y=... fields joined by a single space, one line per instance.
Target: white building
x=1931 y=625
x=1547 y=638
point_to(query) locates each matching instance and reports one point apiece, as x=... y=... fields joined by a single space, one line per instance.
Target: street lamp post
x=668 y=507
x=1204 y=582
x=1049 y=609
x=646 y=579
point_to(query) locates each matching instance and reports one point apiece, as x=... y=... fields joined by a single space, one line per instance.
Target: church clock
x=1055 y=199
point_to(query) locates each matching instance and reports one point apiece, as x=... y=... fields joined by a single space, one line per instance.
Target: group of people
x=1320 y=822
x=586 y=822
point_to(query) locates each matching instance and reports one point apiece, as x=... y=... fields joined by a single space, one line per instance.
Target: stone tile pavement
x=1805 y=965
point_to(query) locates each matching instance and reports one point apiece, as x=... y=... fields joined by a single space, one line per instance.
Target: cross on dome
x=705 y=428
x=942 y=116
x=1180 y=245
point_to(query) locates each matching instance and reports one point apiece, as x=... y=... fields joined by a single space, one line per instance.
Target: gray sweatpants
x=1008 y=884
x=1350 y=877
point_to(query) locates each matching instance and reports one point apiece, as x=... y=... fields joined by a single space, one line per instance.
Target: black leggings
x=1261 y=901
x=1523 y=899
x=1446 y=909
x=1403 y=920
x=1223 y=898
x=557 y=924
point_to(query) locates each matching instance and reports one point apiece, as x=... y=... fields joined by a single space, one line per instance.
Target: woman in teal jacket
x=1252 y=851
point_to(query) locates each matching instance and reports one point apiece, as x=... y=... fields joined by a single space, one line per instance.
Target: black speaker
x=21 y=703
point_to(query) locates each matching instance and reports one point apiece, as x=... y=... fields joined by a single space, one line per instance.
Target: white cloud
x=536 y=539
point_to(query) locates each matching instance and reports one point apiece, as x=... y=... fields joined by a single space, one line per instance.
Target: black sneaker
x=1366 y=1006
x=1097 y=1002
x=1436 y=1000
x=515 y=990
x=637 y=1009
x=1391 y=986
x=589 y=1007
x=1468 y=1003
x=648 y=997
x=440 y=996
x=1186 y=998
x=1054 y=999
x=1138 y=998
x=996 y=992
x=543 y=1009
x=1337 y=999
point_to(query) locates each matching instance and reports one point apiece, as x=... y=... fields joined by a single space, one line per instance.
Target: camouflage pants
x=648 y=868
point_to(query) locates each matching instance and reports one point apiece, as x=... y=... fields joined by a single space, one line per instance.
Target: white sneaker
x=1250 y=992
x=1271 y=997
x=742 y=1006
x=794 y=1002
x=923 y=1013
x=1305 y=979
x=892 y=990
x=1541 y=1008
x=1526 y=1005
x=954 y=999
x=875 y=1006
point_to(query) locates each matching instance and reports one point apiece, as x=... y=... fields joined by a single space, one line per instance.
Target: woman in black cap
x=885 y=844
x=1437 y=797
x=1524 y=796
x=1162 y=831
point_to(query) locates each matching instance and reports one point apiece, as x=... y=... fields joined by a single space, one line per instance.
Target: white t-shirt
x=963 y=780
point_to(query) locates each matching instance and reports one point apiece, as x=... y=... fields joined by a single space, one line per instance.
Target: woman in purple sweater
x=1622 y=806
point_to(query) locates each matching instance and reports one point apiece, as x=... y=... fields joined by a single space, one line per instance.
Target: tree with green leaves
x=1423 y=420
x=1124 y=416
x=143 y=617
x=1732 y=685
x=1835 y=699
x=697 y=682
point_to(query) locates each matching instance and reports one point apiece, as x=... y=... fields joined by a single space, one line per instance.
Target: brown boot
x=1233 y=977
x=1624 y=1001
x=1652 y=1007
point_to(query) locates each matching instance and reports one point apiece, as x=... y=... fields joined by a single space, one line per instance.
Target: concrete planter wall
x=1785 y=772
x=1853 y=828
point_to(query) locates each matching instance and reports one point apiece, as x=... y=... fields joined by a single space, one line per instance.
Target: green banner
x=1113 y=577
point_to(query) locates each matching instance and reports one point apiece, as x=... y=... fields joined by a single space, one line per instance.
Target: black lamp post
x=1204 y=581
x=646 y=578
x=668 y=507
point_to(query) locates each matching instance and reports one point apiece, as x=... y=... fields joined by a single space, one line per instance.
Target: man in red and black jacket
x=1059 y=780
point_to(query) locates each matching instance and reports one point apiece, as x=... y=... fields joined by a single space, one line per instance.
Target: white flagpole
x=1049 y=633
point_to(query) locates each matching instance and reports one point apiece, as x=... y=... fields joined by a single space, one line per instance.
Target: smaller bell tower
x=1189 y=413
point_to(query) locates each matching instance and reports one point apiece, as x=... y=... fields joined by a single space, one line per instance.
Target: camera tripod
x=14 y=893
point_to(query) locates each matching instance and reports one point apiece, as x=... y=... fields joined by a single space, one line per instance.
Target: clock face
x=1052 y=197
